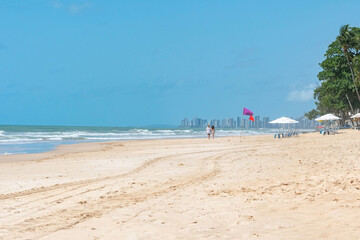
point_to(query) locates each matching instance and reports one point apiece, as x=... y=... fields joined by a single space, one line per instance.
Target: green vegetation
x=312 y=114
x=338 y=92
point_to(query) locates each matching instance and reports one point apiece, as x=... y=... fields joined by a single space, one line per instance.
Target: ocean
x=36 y=139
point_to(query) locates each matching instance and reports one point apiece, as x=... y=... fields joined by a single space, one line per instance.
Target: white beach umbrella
x=283 y=120
x=327 y=117
x=356 y=116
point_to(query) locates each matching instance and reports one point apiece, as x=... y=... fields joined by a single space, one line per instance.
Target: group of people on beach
x=210 y=131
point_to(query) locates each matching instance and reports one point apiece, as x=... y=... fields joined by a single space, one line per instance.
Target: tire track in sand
x=89 y=181
x=85 y=210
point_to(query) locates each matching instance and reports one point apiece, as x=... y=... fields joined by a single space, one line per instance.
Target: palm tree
x=356 y=66
x=346 y=39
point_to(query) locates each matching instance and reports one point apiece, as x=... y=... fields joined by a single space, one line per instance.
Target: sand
x=306 y=187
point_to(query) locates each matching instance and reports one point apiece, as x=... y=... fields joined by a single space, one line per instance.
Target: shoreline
x=80 y=147
x=59 y=145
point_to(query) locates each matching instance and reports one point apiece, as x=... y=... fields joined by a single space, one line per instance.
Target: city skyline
x=244 y=122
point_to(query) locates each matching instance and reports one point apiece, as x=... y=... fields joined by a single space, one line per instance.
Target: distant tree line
x=340 y=76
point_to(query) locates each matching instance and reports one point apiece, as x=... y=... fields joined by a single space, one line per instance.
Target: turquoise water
x=35 y=139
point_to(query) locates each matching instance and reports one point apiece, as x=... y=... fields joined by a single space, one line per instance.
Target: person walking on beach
x=213 y=131
x=208 y=131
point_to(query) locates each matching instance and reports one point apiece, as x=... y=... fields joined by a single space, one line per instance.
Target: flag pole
x=242 y=116
x=246 y=112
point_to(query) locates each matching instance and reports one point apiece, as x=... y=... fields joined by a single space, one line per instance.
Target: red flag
x=252 y=118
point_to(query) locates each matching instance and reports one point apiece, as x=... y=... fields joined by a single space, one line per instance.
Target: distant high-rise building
x=223 y=123
x=266 y=122
x=251 y=124
x=204 y=123
x=230 y=123
x=185 y=123
x=257 y=122
x=238 y=122
x=245 y=123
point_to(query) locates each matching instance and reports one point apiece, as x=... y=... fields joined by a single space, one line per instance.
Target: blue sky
x=121 y=63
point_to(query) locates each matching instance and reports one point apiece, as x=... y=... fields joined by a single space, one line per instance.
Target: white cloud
x=57 y=4
x=302 y=95
x=74 y=8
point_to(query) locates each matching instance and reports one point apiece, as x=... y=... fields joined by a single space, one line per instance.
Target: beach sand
x=256 y=187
